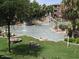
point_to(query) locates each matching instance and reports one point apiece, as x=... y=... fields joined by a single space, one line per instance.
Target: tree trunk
x=9 y=34
x=73 y=26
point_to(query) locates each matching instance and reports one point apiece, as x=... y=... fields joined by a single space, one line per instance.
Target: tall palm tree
x=71 y=11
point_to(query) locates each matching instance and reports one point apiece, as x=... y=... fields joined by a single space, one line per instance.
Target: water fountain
x=24 y=26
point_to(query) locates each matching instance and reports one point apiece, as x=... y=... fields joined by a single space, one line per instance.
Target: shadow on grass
x=27 y=49
x=5 y=57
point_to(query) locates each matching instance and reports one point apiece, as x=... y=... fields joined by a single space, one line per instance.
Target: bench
x=15 y=39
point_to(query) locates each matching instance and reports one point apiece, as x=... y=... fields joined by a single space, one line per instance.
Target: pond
x=38 y=31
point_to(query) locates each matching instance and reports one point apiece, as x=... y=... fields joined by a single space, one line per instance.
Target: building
x=58 y=9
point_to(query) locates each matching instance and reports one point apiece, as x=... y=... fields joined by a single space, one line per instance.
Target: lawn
x=48 y=50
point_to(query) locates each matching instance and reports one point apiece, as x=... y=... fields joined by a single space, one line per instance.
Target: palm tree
x=71 y=11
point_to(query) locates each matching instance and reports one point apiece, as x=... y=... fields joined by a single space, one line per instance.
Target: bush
x=72 y=40
x=63 y=27
x=77 y=40
x=65 y=39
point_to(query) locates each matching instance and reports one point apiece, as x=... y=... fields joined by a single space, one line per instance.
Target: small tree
x=10 y=8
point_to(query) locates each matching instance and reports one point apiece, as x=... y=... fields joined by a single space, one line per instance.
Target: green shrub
x=77 y=40
x=72 y=40
x=63 y=27
x=65 y=39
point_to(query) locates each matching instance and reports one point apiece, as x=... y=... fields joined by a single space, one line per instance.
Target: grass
x=49 y=50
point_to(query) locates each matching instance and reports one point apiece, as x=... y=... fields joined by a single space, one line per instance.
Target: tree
x=36 y=11
x=14 y=7
x=50 y=8
x=10 y=8
x=22 y=9
x=71 y=11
